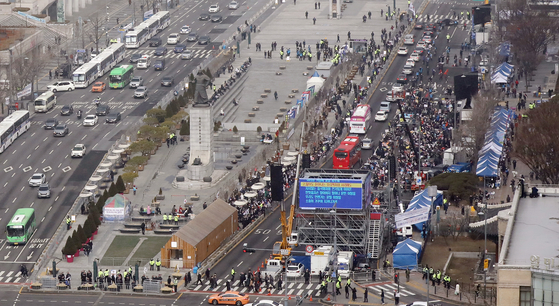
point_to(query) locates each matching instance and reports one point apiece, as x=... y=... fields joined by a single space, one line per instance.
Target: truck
x=321 y=259
x=345 y=263
x=274 y=267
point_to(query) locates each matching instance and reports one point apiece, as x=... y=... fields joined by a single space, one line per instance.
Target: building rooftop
x=535 y=231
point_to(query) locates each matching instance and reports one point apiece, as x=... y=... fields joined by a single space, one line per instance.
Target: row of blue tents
x=502 y=73
x=492 y=150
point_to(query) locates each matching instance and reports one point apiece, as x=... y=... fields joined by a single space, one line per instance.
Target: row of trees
x=82 y=234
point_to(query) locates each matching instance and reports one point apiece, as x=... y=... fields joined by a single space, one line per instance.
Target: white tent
x=315 y=80
x=498 y=78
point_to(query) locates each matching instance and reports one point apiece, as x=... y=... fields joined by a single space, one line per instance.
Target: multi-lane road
x=39 y=151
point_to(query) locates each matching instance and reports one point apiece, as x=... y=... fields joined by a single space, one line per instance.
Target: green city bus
x=121 y=76
x=21 y=227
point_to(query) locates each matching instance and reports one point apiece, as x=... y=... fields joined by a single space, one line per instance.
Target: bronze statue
x=202 y=82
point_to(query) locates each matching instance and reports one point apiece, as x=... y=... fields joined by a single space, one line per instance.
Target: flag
x=412 y=9
x=277 y=133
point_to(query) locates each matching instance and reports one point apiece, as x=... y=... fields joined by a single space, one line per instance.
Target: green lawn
x=149 y=249
x=119 y=249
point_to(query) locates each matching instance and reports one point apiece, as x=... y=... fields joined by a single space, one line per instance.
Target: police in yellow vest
x=176 y=219
x=158 y=264
x=151 y=264
x=164 y=218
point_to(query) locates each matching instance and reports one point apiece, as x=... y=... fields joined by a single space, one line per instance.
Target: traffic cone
x=289 y=298
x=310 y=299
x=328 y=299
x=262 y=265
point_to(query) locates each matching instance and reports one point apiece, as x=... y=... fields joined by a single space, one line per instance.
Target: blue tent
x=315 y=74
x=406 y=254
x=422 y=199
x=504 y=49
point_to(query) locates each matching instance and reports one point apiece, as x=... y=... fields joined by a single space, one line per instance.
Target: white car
x=144 y=62
x=402 y=51
x=295 y=270
x=173 y=39
x=397 y=87
x=427 y=39
x=185 y=29
x=384 y=106
x=264 y=303
x=408 y=39
x=233 y=5
x=366 y=144
x=422 y=44
x=90 y=120
x=37 y=179
x=381 y=116
x=407 y=70
x=415 y=56
x=410 y=62
x=78 y=150
x=214 y=8
x=62 y=86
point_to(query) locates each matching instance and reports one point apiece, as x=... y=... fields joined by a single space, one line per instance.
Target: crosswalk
x=437 y=18
x=170 y=53
x=292 y=288
x=12 y=277
x=389 y=289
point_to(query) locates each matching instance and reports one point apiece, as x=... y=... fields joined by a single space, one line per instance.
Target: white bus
x=109 y=58
x=20 y=121
x=45 y=102
x=85 y=75
x=360 y=120
x=6 y=135
x=164 y=18
x=136 y=37
x=118 y=51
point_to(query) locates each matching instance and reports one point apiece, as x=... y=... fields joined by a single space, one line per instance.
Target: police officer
x=164 y=218
x=68 y=223
x=152 y=262
x=158 y=264
x=232 y=274
x=176 y=219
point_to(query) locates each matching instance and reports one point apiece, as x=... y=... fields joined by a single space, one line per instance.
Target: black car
x=50 y=124
x=167 y=81
x=102 y=110
x=204 y=40
x=204 y=17
x=61 y=130
x=448 y=22
x=160 y=51
x=113 y=117
x=179 y=48
x=135 y=57
x=155 y=42
x=418 y=26
x=67 y=110
x=192 y=37
x=216 y=18
x=402 y=79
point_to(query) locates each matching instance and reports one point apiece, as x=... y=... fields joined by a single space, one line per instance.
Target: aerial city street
x=266 y=152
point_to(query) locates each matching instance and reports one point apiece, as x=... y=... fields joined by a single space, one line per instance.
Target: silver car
x=141 y=92
x=187 y=54
x=44 y=191
x=233 y=5
x=136 y=82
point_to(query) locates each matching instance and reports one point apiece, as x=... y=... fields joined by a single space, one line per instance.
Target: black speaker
x=392 y=160
x=277 y=182
x=306 y=161
x=482 y=14
x=465 y=86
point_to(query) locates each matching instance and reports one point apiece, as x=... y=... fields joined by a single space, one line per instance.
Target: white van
x=144 y=62
x=45 y=102
x=408 y=39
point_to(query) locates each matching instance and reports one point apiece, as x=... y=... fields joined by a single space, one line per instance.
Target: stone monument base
x=198 y=172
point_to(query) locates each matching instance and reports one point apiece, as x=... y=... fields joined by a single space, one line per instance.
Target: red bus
x=348 y=153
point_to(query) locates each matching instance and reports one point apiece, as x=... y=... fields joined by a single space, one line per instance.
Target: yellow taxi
x=229 y=298
x=98 y=87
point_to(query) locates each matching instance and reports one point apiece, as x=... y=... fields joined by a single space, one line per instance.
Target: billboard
x=325 y=193
x=412 y=217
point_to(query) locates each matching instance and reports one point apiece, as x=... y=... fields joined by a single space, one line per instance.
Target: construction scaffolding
x=360 y=231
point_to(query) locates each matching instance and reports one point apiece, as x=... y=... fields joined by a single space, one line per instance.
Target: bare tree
x=473 y=131
x=536 y=143
x=529 y=32
x=96 y=29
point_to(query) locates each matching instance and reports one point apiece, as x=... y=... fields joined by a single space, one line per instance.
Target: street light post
x=335 y=251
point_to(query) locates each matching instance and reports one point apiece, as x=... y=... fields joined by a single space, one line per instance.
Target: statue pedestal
x=201 y=162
